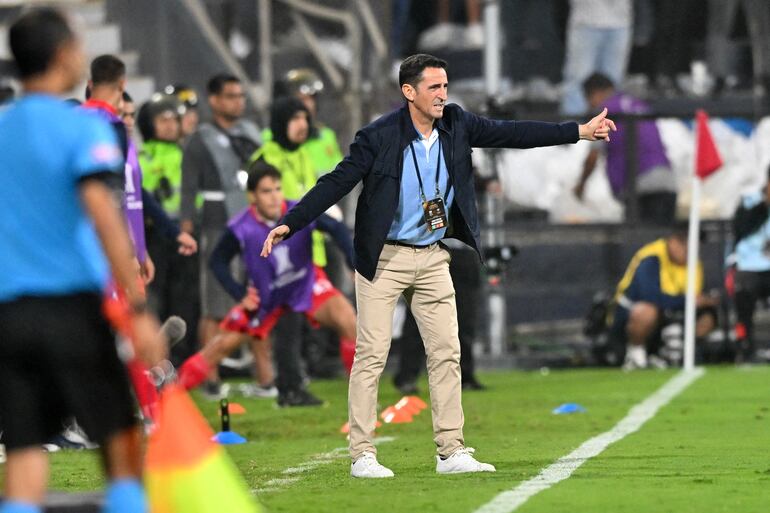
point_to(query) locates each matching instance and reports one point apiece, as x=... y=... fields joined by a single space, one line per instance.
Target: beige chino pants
x=422 y=276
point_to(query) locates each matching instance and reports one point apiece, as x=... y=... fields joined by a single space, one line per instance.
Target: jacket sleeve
x=333 y=186
x=749 y=220
x=154 y=211
x=340 y=234
x=226 y=249
x=492 y=133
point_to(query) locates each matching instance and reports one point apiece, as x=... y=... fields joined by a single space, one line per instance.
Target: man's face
x=166 y=125
x=230 y=102
x=297 y=129
x=267 y=197
x=128 y=115
x=677 y=250
x=189 y=121
x=430 y=94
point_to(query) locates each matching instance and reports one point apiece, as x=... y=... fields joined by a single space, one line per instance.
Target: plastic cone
x=409 y=405
x=393 y=415
x=417 y=401
x=236 y=409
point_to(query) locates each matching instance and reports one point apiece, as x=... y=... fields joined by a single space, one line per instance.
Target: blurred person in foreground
x=652 y=294
x=655 y=184
x=58 y=197
x=417 y=189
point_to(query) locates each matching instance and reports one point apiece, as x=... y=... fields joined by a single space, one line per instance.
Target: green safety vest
x=159 y=160
x=324 y=150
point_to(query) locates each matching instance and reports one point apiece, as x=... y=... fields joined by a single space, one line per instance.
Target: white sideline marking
x=314 y=462
x=509 y=500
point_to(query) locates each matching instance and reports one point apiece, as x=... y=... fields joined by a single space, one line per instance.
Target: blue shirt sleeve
x=96 y=149
x=154 y=211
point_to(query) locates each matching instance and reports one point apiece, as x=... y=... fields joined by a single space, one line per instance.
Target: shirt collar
x=99 y=104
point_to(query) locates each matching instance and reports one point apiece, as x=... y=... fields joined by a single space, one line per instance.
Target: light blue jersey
x=752 y=251
x=48 y=245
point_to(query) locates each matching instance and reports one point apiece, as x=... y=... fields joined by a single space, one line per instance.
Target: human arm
x=153 y=210
x=589 y=164
x=225 y=251
x=341 y=235
x=331 y=187
x=492 y=133
x=110 y=227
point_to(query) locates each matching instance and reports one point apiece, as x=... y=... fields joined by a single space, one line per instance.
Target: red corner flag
x=707 y=159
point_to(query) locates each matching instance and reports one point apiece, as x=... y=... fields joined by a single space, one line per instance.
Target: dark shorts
x=58 y=360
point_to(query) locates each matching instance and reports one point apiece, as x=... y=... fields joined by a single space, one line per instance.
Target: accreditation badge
x=434 y=214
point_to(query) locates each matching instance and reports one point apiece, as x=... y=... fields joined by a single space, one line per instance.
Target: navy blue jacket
x=376 y=158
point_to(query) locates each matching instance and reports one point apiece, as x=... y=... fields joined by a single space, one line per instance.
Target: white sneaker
x=473 y=38
x=438 y=36
x=367 y=466
x=636 y=358
x=462 y=461
x=258 y=391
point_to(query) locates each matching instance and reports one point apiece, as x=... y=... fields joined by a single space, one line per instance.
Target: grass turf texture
x=706 y=451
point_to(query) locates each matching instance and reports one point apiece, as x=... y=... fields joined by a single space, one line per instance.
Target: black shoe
x=298 y=398
x=473 y=384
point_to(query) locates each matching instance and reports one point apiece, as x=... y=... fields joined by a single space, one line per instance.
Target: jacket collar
x=406 y=127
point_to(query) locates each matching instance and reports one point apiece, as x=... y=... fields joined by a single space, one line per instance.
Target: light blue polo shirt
x=409 y=224
x=48 y=245
x=751 y=251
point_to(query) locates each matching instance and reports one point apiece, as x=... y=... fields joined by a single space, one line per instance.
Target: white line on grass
x=314 y=462
x=509 y=500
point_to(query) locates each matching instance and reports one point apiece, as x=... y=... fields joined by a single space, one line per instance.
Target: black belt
x=406 y=245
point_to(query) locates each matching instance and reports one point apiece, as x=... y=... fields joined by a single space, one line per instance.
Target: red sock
x=144 y=389
x=347 y=352
x=193 y=371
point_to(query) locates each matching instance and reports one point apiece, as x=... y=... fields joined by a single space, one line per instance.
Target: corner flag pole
x=706 y=161
x=692 y=266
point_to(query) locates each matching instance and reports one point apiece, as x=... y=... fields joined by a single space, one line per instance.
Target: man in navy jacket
x=415 y=165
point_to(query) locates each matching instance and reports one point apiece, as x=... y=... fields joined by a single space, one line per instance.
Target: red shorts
x=239 y=320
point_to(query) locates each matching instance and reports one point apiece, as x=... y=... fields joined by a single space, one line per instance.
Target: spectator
x=212 y=164
x=721 y=18
x=598 y=40
x=174 y=289
x=651 y=294
x=190 y=116
x=58 y=226
x=751 y=233
x=321 y=145
x=655 y=184
x=446 y=34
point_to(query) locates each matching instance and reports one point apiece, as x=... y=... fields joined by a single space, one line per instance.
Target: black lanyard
x=417 y=169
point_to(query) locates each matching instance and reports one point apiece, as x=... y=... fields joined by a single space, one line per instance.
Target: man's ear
x=408 y=91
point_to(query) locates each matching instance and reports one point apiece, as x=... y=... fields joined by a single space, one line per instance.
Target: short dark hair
x=410 y=71
x=107 y=69
x=217 y=83
x=258 y=170
x=35 y=37
x=597 y=82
